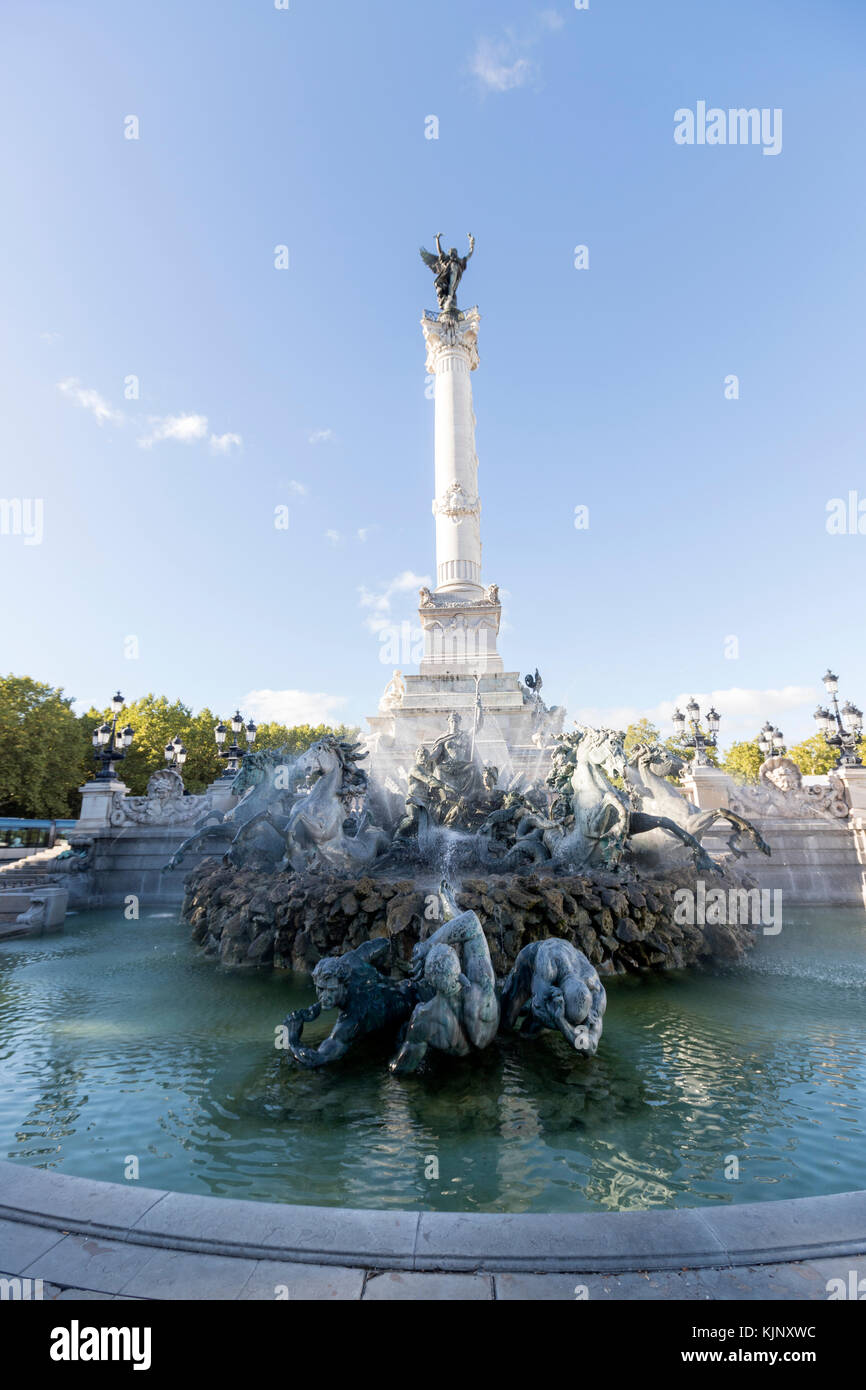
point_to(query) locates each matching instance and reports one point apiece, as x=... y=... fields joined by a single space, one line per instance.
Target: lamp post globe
x=841 y=727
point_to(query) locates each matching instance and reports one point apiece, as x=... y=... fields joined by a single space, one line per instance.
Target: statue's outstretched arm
x=335 y=1046
x=471 y=246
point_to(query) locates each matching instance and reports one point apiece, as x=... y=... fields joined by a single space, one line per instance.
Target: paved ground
x=89 y=1239
x=86 y=1267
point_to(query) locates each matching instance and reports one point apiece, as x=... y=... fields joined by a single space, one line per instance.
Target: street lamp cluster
x=771 y=741
x=109 y=746
x=696 y=738
x=233 y=754
x=175 y=753
x=841 y=728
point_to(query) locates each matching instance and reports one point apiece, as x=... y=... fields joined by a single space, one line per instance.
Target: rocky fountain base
x=622 y=922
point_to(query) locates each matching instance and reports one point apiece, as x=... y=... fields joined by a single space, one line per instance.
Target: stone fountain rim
x=771 y=1232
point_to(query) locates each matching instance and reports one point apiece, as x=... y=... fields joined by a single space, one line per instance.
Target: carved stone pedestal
x=854 y=781
x=708 y=787
x=97 y=804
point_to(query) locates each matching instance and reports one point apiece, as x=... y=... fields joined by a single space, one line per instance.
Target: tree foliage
x=297 y=739
x=42 y=755
x=813 y=757
x=46 y=750
x=742 y=761
x=156 y=721
x=643 y=731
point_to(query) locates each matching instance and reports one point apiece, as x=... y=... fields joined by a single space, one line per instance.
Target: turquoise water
x=118 y=1039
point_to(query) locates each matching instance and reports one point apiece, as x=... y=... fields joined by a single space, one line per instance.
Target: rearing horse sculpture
x=648 y=767
x=603 y=817
x=318 y=825
x=266 y=785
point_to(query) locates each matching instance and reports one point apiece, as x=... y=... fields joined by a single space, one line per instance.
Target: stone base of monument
x=121 y=844
x=814 y=826
x=134 y=864
x=622 y=923
x=814 y=863
x=513 y=732
x=104 y=871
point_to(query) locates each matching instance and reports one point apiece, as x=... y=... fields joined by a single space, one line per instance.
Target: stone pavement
x=89 y=1239
x=74 y=1266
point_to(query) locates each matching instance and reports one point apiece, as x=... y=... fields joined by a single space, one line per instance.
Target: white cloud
x=184 y=429
x=321 y=437
x=363 y=532
x=506 y=63
x=50 y=337
x=299 y=489
x=224 y=443
x=334 y=537
x=89 y=399
x=379 y=601
x=293 y=706
x=500 y=65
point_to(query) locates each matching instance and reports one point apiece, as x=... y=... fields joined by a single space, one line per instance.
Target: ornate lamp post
x=771 y=741
x=841 y=728
x=175 y=753
x=233 y=754
x=109 y=746
x=696 y=738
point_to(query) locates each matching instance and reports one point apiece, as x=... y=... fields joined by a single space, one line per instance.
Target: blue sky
x=305 y=387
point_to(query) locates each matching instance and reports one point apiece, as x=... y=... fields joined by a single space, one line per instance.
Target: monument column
x=462 y=675
x=460 y=618
x=452 y=354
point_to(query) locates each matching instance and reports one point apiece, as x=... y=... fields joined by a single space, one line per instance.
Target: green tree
x=47 y=751
x=300 y=736
x=155 y=721
x=43 y=760
x=641 y=732
x=743 y=760
x=813 y=757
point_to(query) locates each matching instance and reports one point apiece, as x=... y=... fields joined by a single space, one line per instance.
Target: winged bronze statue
x=448 y=267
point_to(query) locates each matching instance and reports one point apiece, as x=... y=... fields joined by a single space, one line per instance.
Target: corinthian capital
x=444 y=334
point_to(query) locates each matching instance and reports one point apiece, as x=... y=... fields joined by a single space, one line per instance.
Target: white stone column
x=460 y=617
x=452 y=355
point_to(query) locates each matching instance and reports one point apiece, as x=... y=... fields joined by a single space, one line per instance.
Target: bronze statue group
x=451 y=1003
